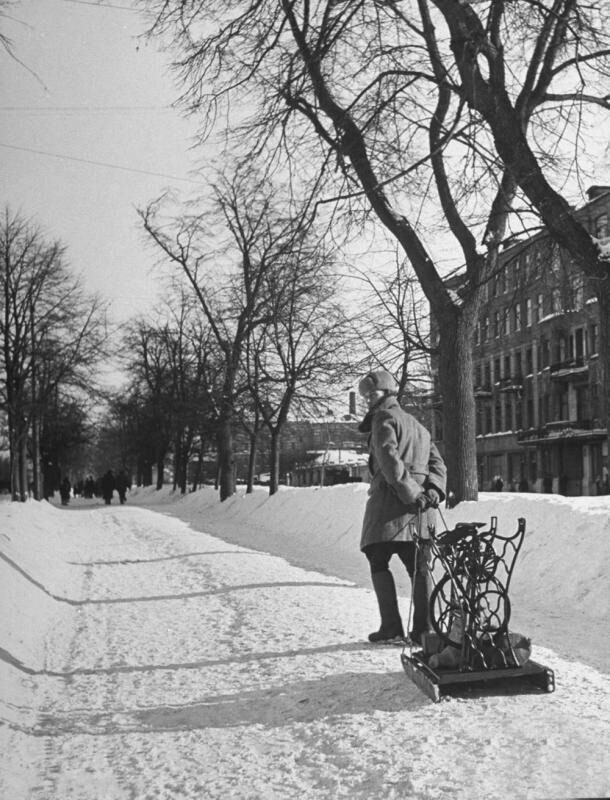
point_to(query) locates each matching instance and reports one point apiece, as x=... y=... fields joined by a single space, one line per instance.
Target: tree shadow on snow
x=232 y=659
x=227 y=589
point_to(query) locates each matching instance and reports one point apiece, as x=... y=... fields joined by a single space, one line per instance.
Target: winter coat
x=107 y=485
x=122 y=483
x=403 y=462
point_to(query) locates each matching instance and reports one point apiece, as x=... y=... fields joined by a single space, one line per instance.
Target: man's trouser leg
x=416 y=562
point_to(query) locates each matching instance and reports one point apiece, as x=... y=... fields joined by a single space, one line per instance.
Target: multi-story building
x=537 y=378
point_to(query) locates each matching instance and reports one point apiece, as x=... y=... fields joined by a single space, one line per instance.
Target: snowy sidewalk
x=179 y=666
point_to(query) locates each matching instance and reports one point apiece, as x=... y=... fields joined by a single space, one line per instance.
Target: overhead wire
x=98 y=163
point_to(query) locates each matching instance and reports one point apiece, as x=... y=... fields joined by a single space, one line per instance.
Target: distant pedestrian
x=89 y=488
x=122 y=484
x=64 y=491
x=107 y=484
x=498 y=483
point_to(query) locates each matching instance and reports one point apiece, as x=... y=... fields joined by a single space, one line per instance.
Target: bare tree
x=393 y=101
x=234 y=299
x=303 y=347
x=51 y=333
x=392 y=330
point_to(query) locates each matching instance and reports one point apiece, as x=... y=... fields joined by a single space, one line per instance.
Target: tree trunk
x=197 y=477
x=226 y=459
x=459 y=415
x=36 y=474
x=177 y=463
x=160 y=471
x=251 y=463
x=23 y=466
x=274 y=466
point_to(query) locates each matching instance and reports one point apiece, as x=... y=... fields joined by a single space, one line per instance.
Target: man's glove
x=434 y=497
x=422 y=502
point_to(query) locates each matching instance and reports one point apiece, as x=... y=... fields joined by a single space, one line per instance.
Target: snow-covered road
x=181 y=666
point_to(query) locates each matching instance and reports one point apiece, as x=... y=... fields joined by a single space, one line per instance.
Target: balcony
x=569 y=370
x=562 y=430
x=482 y=390
x=511 y=384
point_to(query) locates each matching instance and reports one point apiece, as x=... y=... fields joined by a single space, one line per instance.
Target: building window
x=477 y=333
x=578 y=294
x=555 y=301
x=530 y=413
x=498 y=417
x=517 y=365
x=529 y=361
x=540 y=307
x=496 y=370
x=517 y=317
x=488 y=418
x=601 y=226
x=485 y=328
x=477 y=375
x=488 y=374
x=577 y=344
x=529 y=312
x=563 y=403
x=518 y=415
x=593 y=339
x=501 y=281
x=545 y=352
x=506 y=316
x=538 y=262
x=507 y=366
x=508 y=416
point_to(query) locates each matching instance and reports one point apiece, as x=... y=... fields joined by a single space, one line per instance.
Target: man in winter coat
x=122 y=483
x=408 y=477
x=108 y=487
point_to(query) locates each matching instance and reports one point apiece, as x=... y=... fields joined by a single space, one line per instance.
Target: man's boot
x=391 y=623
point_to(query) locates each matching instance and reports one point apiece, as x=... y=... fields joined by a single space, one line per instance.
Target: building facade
x=537 y=377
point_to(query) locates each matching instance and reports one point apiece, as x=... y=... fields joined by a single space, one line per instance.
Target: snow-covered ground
x=219 y=651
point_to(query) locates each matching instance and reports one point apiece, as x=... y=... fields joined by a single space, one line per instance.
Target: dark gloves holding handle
x=428 y=499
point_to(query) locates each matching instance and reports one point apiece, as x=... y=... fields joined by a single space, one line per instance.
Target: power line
x=97 y=163
x=100 y=5
x=86 y=108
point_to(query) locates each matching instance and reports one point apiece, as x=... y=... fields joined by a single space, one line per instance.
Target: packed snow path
x=187 y=667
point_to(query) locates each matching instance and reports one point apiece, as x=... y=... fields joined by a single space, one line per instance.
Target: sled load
x=470 y=645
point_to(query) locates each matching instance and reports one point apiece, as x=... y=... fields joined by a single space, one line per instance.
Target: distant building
x=331 y=466
x=537 y=376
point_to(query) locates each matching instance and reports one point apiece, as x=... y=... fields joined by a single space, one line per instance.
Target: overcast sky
x=87 y=134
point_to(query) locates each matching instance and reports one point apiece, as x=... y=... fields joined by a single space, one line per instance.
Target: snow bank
x=559 y=592
x=565 y=555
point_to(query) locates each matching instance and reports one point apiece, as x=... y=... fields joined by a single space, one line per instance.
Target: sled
x=439 y=683
x=470 y=647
